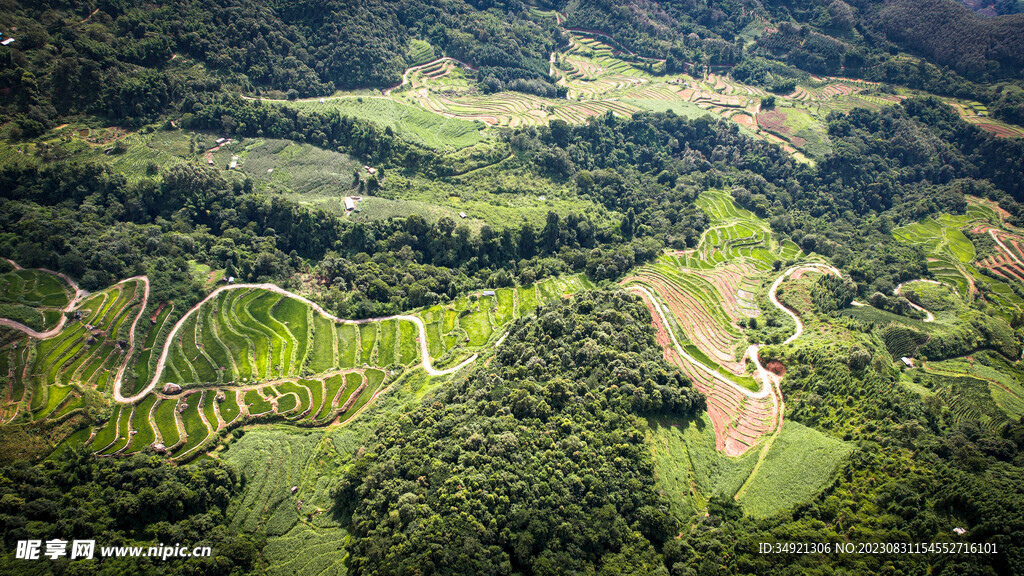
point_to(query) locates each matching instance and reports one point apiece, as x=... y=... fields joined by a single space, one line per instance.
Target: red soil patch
x=743 y=120
x=998 y=130
x=159 y=309
x=775 y=367
x=774 y=121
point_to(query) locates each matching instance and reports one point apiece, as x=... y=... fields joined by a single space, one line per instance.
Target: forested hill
x=119 y=60
x=134 y=64
x=820 y=36
x=536 y=465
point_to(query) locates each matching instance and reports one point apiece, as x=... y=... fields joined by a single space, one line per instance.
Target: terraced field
x=984 y=388
x=698 y=299
x=35 y=299
x=246 y=353
x=952 y=258
x=440 y=105
x=89 y=347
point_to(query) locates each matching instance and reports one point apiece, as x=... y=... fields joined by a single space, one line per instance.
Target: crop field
x=270 y=462
x=419 y=125
x=472 y=322
x=141 y=423
x=688 y=467
x=34 y=298
x=165 y=418
x=252 y=335
x=953 y=260
x=87 y=349
x=242 y=354
x=420 y=52
x=440 y=106
x=698 y=308
x=706 y=293
x=983 y=388
x=735 y=233
x=301 y=172
x=1007 y=263
x=159 y=323
x=976 y=113
x=799 y=465
x=286 y=498
x=322 y=552
x=196 y=429
x=689 y=470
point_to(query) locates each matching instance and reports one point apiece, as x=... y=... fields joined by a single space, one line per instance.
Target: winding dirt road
x=766 y=377
x=764 y=392
x=928 y=316
x=424 y=353
x=778 y=282
x=73 y=300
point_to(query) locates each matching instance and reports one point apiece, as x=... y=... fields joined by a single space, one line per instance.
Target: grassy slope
x=800 y=464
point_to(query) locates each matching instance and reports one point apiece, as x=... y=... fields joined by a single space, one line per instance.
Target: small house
x=908 y=362
x=7 y=42
x=171 y=388
x=462 y=214
x=350 y=204
x=221 y=141
x=487 y=293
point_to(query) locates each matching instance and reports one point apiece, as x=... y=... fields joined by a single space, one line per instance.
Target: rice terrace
x=246 y=353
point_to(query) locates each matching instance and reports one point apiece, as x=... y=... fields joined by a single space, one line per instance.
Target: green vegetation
x=411 y=122
x=800 y=463
x=196 y=431
x=515 y=450
x=506 y=160
x=688 y=468
x=140 y=424
x=188 y=501
x=271 y=462
x=166 y=422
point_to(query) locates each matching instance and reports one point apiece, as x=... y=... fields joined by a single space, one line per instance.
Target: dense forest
x=119 y=501
x=534 y=466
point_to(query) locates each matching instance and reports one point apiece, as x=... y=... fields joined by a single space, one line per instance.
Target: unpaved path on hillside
x=992 y=233
x=73 y=300
x=131 y=338
x=424 y=353
x=778 y=282
x=764 y=392
x=765 y=376
x=928 y=316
